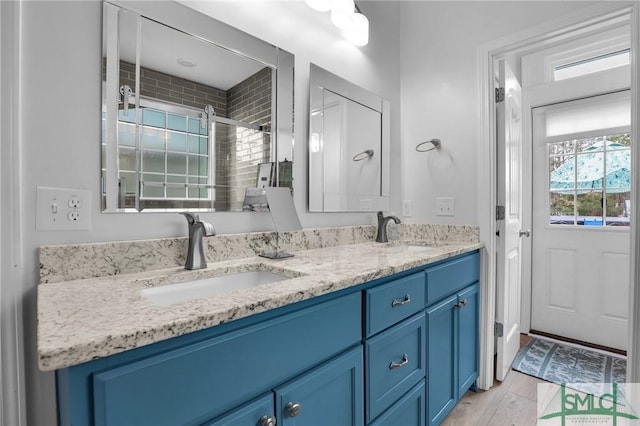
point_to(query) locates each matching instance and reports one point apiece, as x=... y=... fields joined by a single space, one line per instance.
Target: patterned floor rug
x=558 y=363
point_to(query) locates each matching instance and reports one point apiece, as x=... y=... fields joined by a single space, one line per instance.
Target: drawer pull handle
x=461 y=304
x=405 y=361
x=267 y=421
x=293 y=409
x=397 y=302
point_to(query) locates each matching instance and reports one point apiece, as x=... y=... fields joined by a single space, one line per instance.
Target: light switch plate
x=63 y=209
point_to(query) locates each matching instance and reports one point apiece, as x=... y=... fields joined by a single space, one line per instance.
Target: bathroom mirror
x=196 y=114
x=349 y=139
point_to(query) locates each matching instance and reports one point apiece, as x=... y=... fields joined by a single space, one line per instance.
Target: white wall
x=60 y=129
x=439 y=86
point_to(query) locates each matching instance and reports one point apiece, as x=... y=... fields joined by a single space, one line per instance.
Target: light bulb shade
x=319 y=5
x=342 y=13
x=358 y=34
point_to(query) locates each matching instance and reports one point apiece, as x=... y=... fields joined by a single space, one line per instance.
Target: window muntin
x=590 y=181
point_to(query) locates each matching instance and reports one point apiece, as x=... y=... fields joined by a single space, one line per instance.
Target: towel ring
x=363 y=155
x=435 y=143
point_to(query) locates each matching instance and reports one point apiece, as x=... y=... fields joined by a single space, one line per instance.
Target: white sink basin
x=170 y=294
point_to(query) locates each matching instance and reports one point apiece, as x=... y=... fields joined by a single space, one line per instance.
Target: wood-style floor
x=508 y=403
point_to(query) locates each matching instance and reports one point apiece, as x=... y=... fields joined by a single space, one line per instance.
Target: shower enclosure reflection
x=187 y=122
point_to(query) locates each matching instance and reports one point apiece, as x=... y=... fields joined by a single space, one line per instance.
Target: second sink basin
x=170 y=294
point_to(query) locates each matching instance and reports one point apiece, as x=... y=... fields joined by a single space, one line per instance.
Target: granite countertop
x=85 y=319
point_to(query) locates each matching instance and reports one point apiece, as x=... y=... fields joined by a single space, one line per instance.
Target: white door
x=509 y=258
x=580 y=226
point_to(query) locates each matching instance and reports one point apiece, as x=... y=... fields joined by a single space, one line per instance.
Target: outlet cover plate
x=63 y=209
x=445 y=206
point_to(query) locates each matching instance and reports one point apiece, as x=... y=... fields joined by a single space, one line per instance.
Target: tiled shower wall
x=237 y=151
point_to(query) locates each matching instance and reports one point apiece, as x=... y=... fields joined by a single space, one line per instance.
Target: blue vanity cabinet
x=453 y=333
x=398 y=351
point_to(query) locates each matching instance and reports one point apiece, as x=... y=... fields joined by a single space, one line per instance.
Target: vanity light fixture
x=345 y=15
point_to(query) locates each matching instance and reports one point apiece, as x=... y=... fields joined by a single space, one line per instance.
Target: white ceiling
x=162 y=46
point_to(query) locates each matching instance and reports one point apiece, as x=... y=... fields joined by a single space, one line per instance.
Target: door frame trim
x=487 y=54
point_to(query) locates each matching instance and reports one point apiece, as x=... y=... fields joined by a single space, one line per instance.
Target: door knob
x=525 y=233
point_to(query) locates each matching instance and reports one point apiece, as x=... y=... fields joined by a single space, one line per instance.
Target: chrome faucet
x=197 y=229
x=382 y=227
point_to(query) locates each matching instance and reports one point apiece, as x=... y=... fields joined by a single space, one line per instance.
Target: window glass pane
x=126 y=134
x=561 y=208
x=591 y=65
x=130 y=117
x=151 y=191
x=152 y=138
x=153 y=117
x=176 y=141
x=177 y=122
x=618 y=209
x=618 y=170
x=176 y=192
x=153 y=161
x=127 y=159
x=177 y=163
x=590 y=208
x=590 y=170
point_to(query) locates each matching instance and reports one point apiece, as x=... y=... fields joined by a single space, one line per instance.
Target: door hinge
x=499 y=329
x=499 y=94
x=500 y=213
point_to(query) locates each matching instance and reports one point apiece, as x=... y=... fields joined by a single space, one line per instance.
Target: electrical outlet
x=445 y=206
x=407 y=208
x=62 y=209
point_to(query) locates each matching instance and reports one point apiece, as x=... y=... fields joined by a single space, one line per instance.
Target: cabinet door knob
x=293 y=409
x=405 y=361
x=267 y=421
x=396 y=302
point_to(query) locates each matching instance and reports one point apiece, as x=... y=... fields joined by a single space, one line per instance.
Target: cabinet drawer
x=395 y=362
x=449 y=277
x=408 y=411
x=391 y=303
x=200 y=381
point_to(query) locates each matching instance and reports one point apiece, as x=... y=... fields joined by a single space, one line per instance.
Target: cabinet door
x=467 y=338
x=331 y=394
x=441 y=359
x=256 y=413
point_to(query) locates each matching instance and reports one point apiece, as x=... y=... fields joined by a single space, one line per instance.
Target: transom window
x=591 y=65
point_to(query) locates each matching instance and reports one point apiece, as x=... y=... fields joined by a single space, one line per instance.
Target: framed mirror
x=349 y=146
x=197 y=115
